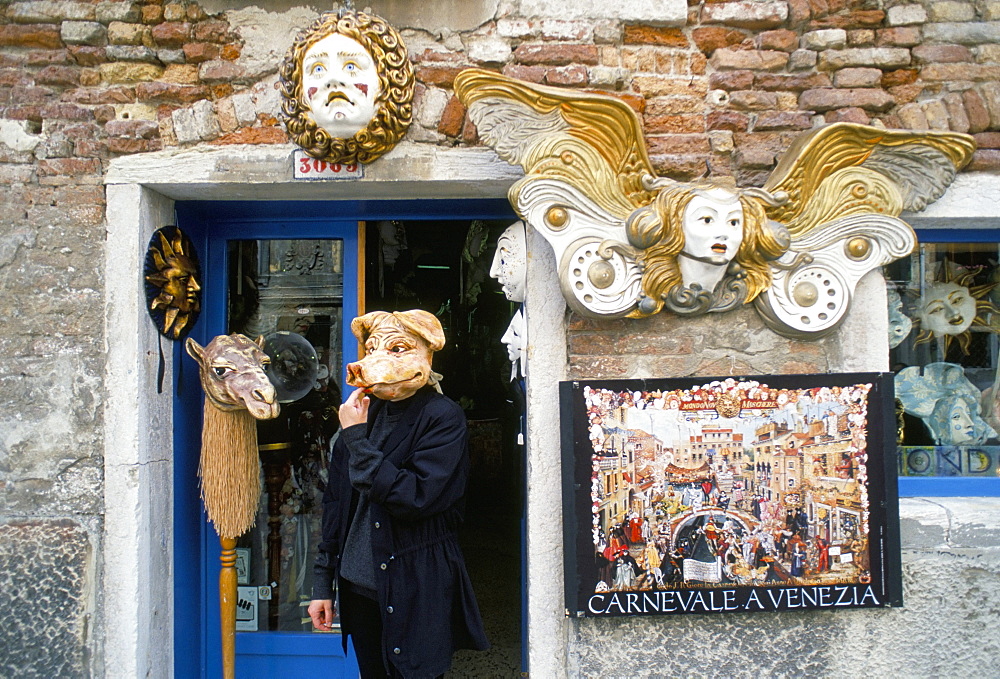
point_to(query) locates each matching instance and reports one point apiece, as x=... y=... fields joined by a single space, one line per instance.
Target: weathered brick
x=752 y=100
x=48 y=57
x=566 y=75
x=958 y=121
x=444 y=76
x=757 y=15
x=904 y=94
x=731 y=80
x=902 y=76
x=32 y=35
x=32 y=112
x=183 y=74
x=728 y=120
x=791 y=82
x=751 y=157
x=658 y=86
x=661 y=106
x=861 y=37
x=566 y=30
x=195 y=123
x=219 y=71
x=515 y=28
x=556 y=55
x=990 y=92
x=782 y=40
x=46 y=11
x=90 y=77
x=880 y=57
x=756 y=60
x=171 y=33
x=986 y=54
x=88 y=56
x=140 y=129
x=29 y=94
x=68 y=166
x=601 y=366
x=487 y=49
x=975 y=109
x=16 y=76
x=83 y=33
x=903 y=36
x=870 y=18
x=678 y=144
x=118 y=72
x=906 y=15
x=825 y=99
x=941 y=54
x=710 y=38
x=174 y=12
x=857 y=77
x=801 y=60
x=783 y=120
x=126 y=145
x=532 y=74
x=988 y=140
x=452 y=118
x=16 y=174
x=197 y=52
x=186 y=94
x=675 y=123
x=642 y=34
x=608 y=77
x=826 y=39
x=852 y=114
x=59 y=76
x=171 y=56
x=952 y=72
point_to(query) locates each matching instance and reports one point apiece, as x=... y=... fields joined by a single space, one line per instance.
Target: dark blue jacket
x=427 y=603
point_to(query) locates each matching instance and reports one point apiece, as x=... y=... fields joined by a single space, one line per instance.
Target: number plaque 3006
x=309 y=168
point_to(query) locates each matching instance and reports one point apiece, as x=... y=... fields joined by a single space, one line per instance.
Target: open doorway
x=443 y=267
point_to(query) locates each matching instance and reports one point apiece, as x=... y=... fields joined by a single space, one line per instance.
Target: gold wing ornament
x=847 y=185
x=630 y=243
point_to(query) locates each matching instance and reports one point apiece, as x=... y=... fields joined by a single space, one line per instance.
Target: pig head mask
x=399 y=347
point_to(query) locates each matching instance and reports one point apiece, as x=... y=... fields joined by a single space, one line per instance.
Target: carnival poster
x=716 y=495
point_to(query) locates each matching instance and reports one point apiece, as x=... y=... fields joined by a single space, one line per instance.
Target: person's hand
x=321 y=612
x=355 y=409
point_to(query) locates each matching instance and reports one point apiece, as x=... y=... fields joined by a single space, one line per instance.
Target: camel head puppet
x=237 y=393
x=399 y=347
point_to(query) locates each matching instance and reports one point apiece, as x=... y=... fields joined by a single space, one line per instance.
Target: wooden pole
x=227 y=606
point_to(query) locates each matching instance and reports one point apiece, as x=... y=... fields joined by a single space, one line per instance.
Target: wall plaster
x=138 y=469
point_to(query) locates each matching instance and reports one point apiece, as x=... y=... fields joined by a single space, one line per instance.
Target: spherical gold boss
x=858 y=248
x=557 y=217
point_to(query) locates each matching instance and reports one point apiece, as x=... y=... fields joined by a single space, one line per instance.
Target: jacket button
x=378 y=525
x=383 y=566
x=388 y=609
x=396 y=651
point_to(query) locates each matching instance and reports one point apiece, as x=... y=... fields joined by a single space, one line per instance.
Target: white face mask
x=340 y=85
x=947 y=309
x=510 y=262
x=713 y=227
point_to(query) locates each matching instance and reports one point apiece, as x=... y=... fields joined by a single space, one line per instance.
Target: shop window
x=944 y=338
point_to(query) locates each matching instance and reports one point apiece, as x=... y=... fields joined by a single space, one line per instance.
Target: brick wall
x=84 y=81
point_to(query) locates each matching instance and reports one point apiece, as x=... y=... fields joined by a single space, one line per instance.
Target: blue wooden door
x=309 y=240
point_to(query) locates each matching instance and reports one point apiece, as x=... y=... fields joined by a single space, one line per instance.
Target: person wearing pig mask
x=392 y=507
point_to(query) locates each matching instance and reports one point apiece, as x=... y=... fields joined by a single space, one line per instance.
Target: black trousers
x=361 y=620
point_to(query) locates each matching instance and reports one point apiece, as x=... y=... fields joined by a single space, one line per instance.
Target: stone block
x=857 y=77
x=801 y=60
x=566 y=75
x=556 y=55
x=901 y=76
x=730 y=121
x=212 y=31
x=986 y=54
x=752 y=100
x=855 y=19
x=183 y=74
x=975 y=109
x=903 y=36
x=880 y=57
x=429 y=106
x=195 y=123
x=169 y=92
x=731 y=80
x=83 y=33
x=754 y=158
x=825 y=39
x=641 y=34
x=985 y=160
x=532 y=74
x=171 y=56
x=442 y=76
x=861 y=37
x=128 y=12
x=32 y=35
x=912 y=116
x=46 y=560
x=941 y=54
x=675 y=124
x=826 y=99
x=138 y=129
x=121 y=33
x=990 y=93
x=710 y=38
x=119 y=72
x=44 y=11
x=791 y=82
x=969 y=33
x=131 y=53
x=783 y=120
x=560 y=29
x=851 y=114
x=607 y=32
x=782 y=40
x=197 y=52
x=754 y=60
x=663 y=12
x=174 y=12
x=217 y=71
x=452 y=118
x=957 y=72
x=753 y=15
x=59 y=76
x=515 y=28
x=657 y=86
x=936 y=114
x=488 y=50
x=721 y=141
x=906 y=15
x=951 y=11
x=991 y=10
x=958 y=121
x=152 y=14
x=608 y=77
x=171 y=33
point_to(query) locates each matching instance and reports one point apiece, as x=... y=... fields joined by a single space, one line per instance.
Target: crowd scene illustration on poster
x=731 y=484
